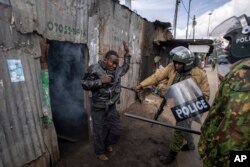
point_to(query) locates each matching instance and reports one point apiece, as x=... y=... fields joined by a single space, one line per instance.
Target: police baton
x=124 y=87
x=162 y=124
x=136 y=93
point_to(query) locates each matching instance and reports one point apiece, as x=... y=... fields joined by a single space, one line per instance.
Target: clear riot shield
x=188 y=102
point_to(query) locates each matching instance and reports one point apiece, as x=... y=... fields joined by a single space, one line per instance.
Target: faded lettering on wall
x=60 y=28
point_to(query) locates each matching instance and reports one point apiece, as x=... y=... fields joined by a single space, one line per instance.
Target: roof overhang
x=199 y=45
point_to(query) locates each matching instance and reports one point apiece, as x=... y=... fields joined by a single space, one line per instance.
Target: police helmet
x=237 y=32
x=183 y=55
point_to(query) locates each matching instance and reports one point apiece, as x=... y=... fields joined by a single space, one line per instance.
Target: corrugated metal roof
x=162 y=24
x=186 y=43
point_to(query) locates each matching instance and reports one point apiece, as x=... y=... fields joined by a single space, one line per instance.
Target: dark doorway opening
x=66 y=66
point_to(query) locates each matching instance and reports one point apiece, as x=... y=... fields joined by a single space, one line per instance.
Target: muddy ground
x=140 y=144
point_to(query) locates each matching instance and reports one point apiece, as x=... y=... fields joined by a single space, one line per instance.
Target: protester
x=227 y=126
x=184 y=66
x=104 y=81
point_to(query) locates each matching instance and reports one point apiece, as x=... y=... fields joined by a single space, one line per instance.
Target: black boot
x=168 y=159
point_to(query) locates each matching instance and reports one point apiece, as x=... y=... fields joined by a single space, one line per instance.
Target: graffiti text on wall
x=53 y=26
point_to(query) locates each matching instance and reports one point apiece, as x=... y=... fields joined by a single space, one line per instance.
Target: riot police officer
x=227 y=126
x=183 y=67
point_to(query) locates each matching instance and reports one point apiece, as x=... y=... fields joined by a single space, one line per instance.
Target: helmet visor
x=226 y=26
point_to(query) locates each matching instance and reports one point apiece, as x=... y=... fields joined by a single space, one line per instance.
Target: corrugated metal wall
x=22 y=135
x=24 y=139
x=118 y=23
x=102 y=25
x=21 y=125
x=55 y=19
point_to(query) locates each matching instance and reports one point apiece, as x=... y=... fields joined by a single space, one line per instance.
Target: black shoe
x=185 y=147
x=169 y=158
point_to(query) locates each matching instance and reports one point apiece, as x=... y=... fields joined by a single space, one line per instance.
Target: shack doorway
x=66 y=66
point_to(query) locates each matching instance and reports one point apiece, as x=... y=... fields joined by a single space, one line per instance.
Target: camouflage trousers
x=180 y=136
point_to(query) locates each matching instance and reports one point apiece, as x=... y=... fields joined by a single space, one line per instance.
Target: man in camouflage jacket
x=227 y=126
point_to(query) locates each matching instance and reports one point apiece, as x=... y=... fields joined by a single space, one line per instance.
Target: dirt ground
x=140 y=144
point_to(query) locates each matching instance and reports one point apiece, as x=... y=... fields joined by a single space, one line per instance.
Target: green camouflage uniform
x=227 y=126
